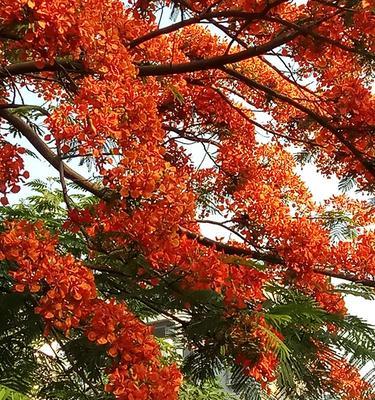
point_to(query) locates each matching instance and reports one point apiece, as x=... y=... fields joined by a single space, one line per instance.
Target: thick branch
x=232 y=250
x=216 y=62
x=24 y=106
x=49 y=155
x=9 y=36
x=221 y=61
x=269 y=258
x=28 y=67
x=155 y=70
x=346 y=277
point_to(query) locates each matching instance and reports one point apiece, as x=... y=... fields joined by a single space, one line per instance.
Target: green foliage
x=207 y=198
x=304 y=157
x=245 y=387
x=355 y=289
x=210 y=390
x=204 y=364
x=176 y=94
x=303 y=324
x=46 y=204
x=347 y=183
x=194 y=387
x=340 y=225
x=20 y=329
x=9 y=394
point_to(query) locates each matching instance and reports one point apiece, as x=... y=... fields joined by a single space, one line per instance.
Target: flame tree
x=118 y=86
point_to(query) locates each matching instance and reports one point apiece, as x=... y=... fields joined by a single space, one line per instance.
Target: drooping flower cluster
x=344 y=378
x=255 y=351
x=136 y=375
x=12 y=171
x=67 y=299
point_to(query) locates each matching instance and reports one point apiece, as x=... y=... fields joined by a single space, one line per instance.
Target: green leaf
x=176 y=94
x=356 y=289
x=10 y=394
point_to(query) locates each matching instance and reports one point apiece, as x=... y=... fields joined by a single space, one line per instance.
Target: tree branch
x=269 y=258
x=49 y=155
x=220 y=61
x=215 y=62
x=232 y=250
x=205 y=16
x=28 y=67
x=345 y=277
x=268 y=130
x=322 y=121
x=317 y=36
x=190 y=136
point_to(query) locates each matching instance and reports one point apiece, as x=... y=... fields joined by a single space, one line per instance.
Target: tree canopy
x=113 y=94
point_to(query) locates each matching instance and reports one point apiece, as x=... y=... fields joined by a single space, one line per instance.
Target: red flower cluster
x=68 y=300
x=255 y=351
x=11 y=169
x=344 y=378
x=137 y=374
